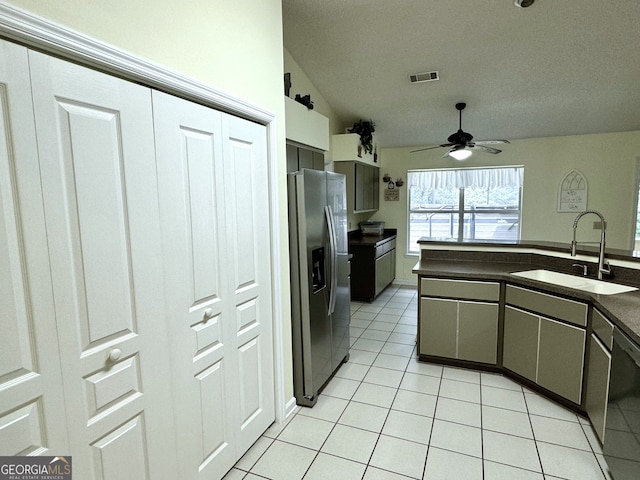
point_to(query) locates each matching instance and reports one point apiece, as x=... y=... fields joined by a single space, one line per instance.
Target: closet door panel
x=95 y=136
x=248 y=233
x=199 y=304
x=32 y=411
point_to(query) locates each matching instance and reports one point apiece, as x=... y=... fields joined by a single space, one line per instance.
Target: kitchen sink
x=572 y=281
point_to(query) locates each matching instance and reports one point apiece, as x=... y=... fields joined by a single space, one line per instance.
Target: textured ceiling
x=560 y=67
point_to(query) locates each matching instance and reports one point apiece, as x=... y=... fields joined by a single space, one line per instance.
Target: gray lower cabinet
x=520 y=343
x=385 y=270
x=561 y=358
x=478 y=331
x=598 y=372
x=438 y=327
x=459 y=328
x=548 y=351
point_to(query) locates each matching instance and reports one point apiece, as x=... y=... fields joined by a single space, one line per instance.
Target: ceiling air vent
x=424 y=77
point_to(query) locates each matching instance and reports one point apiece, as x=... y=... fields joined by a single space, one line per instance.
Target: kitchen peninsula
x=557 y=340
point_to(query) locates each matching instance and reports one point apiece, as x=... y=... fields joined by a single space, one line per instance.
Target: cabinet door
x=32 y=410
x=360 y=187
x=189 y=159
x=375 y=188
x=292 y=158
x=384 y=268
x=305 y=159
x=521 y=342
x=318 y=161
x=597 y=394
x=213 y=201
x=367 y=187
x=248 y=272
x=97 y=160
x=438 y=327
x=478 y=331
x=561 y=358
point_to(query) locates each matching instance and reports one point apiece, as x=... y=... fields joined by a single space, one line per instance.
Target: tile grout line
x=482 y=431
x=433 y=423
x=533 y=433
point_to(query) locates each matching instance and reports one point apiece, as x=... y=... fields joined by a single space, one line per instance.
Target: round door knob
x=114 y=355
x=208 y=313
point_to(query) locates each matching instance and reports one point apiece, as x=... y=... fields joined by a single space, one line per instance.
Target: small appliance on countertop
x=372 y=228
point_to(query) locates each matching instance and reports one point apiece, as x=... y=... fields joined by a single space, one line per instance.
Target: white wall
x=301 y=84
x=235 y=47
x=608 y=161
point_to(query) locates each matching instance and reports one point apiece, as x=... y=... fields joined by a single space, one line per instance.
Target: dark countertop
x=622 y=309
x=631 y=255
x=356 y=239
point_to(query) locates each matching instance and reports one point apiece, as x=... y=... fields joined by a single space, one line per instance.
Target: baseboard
x=405 y=283
x=289 y=409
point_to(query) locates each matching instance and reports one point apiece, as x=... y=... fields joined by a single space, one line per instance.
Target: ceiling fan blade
x=431 y=148
x=491 y=142
x=486 y=149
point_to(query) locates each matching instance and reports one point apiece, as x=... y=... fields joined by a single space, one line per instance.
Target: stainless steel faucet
x=603 y=266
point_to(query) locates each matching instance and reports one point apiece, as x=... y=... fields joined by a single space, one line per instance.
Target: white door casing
x=213 y=204
x=96 y=147
x=32 y=412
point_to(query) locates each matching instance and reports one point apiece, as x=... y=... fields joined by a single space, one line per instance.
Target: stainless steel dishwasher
x=622 y=428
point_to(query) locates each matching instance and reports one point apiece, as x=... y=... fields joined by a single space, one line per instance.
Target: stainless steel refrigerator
x=320 y=297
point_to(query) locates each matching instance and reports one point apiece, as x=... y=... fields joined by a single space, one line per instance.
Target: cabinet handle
x=208 y=313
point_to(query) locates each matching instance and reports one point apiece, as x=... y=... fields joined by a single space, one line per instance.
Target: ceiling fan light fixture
x=460 y=153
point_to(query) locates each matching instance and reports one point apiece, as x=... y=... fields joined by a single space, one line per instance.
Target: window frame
x=460 y=211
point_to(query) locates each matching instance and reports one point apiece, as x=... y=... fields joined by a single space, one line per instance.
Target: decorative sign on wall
x=391 y=195
x=572 y=192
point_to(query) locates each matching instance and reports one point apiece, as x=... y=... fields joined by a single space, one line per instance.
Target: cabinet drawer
x=385 y=247
x=603 y=328
x=440 y=287
x=556 y=307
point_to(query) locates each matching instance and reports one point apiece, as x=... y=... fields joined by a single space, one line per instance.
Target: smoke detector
x=523 y=3
x=424 y=77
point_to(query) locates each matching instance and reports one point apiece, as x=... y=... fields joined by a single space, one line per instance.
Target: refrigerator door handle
x=334 y=258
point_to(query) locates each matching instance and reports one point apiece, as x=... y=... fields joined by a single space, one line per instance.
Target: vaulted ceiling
x=559 y=67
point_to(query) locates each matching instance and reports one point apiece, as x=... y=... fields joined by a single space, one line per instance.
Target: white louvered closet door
x=96 y=147
x=214 y=207
x=32 y=411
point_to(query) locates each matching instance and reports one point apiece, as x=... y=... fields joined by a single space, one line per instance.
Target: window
x=464 y=204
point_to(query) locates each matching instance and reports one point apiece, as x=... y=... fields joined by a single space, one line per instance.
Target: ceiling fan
x=462 y=142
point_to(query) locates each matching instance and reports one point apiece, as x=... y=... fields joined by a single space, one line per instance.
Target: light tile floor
x=386 y=416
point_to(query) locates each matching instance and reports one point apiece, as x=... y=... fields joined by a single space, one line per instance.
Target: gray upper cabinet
x=363 y=183
x=300 y=157
x=366 y=191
